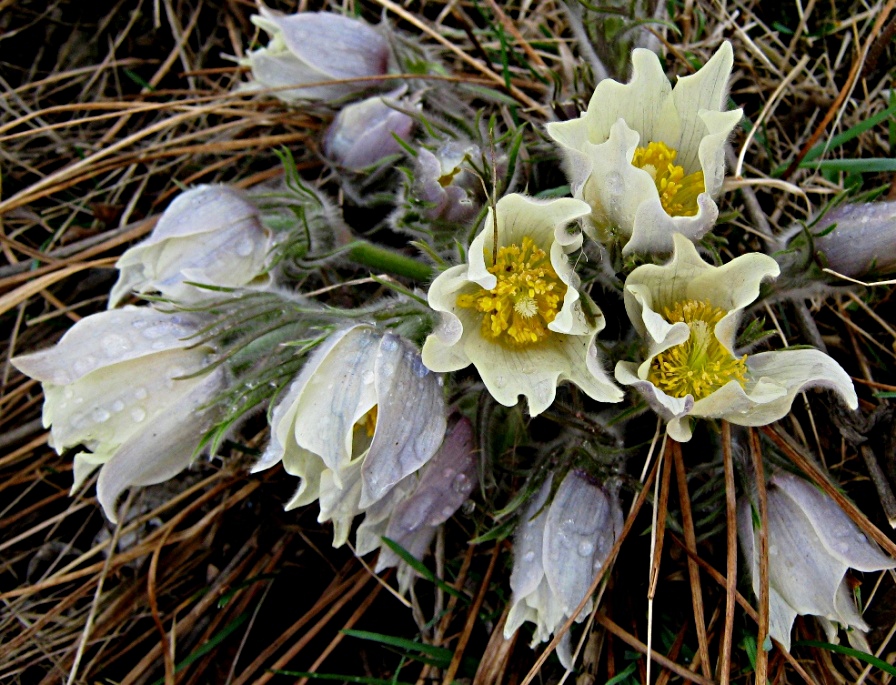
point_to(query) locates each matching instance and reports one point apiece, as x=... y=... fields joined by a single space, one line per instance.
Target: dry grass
x=108 y=109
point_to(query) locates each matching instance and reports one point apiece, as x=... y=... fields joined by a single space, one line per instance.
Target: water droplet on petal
x=68 y=393
x=390 y=343
x=114 y=344
x=461 y=484
x=585 y=548
x=100 y=415
x=140 y=393
x=138 y=414
x=244 y=248
x=117 y=405
x=529 y=556
x=367 y=377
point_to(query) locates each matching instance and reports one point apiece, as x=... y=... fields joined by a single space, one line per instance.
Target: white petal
x=411 y=418
x=339 y=46
x=104 y=339
x=792 y=371
x=528 y=569
x=800 y=568
x=162 y=449
x=705 y=90
x=338 y=392
x=339 y=501
x=842 y=537
x=780 y=619
x=578 y=534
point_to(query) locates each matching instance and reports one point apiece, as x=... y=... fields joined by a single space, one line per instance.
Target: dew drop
x=367 y=377
x=114 y=344
x=77 y=421
x=447 y=473
x=100 y=415
x=61 y=377
x=500 y=382
x=138 y=414
x=117 y=406
x=585 y=548
x=461 y=484
x=84 y=365
x=140 y=393
x=244 y=248
x=390 y=343
x=529 y=556
x=68 y=393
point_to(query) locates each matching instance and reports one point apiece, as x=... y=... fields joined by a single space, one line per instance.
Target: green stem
x=381 y=259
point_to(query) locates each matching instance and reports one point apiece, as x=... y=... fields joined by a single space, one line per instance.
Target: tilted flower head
x=211 y=235
x=313 y=48
x=363 y=414
x=688 y=313
x=117 y=384
x=514 y=311
x=558 y=552
x=414 y=509
x=650 y=158
x=364 y=132
x=811 y=544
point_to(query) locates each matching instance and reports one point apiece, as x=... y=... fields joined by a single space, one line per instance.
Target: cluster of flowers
x=365 y=425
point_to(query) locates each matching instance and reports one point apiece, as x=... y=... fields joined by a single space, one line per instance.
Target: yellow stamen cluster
x=367 y=423
x=525 y=299
x=678 y=193
x=700 y=365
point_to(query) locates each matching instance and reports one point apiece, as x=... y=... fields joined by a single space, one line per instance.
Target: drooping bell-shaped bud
x=364 y=133
x=363 y=414
x=326 y=56
x=209 y=235
x=559 y=550
x=862 y=241
x=125 y=384
x=811 y=545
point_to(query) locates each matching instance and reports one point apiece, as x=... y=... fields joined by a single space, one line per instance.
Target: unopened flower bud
x=558 y=552
x=364 y=133
x=209 y=235
x=313 y=48
x=811 y=545
x=863 y=240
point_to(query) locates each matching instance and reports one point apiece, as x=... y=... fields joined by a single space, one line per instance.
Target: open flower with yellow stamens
x=688 y=312
x=514 y=311
x=650 y=158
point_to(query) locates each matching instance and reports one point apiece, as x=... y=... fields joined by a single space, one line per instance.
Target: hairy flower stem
x=384 y=260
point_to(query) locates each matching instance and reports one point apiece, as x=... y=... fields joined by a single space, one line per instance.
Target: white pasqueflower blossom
x=688 y=313
x=363 y=133
x=414 y=509
x=363 y=414
x=811 y=545
x=445 y=184
x=211 y=235
x=558 y=552
x=121 y=384
x=334 y=55
x=514 y=311
x=648 y=158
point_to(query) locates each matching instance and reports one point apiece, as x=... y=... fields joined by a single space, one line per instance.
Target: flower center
x=678 y=193
x=367 y=423
x=525 y=299
x=700 y=365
